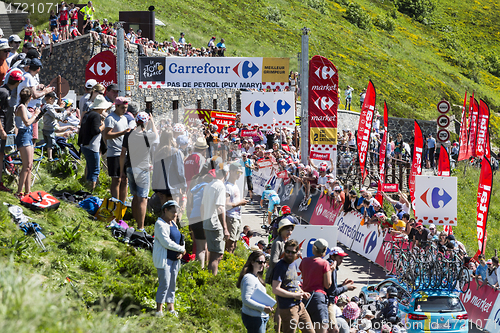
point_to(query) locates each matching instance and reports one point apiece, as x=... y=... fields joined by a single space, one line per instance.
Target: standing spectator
x=4 y=53
x=431 y=146
x=45 y=39
x=97 y=89
x=317 y=278
x=14 y=43
x=254 y=314
x=132 y=111
x=398 y=146
x=233 y=206
x=221 y=48
x=481 y=272
x=73 y=14
x=248 y=164
x=63 y=21
x=88 y=16
x=211 y=46
x=90 y=138
x=135 y=161
x=24 y=120
x=53 y=24
x=348 y=97
x=286 y=287
x=493 y=273
x=362 y=99
x=29 y=30
x=88 y=91
x=182 y=40
x=50 y=118
x=15 y=78
x=214 y=219
x=168 y=249
x=193 y=211
x=194 y=162
x=38 y=91
x=115 y=128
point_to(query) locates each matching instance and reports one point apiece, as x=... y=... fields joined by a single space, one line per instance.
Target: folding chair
x=37 y=160
x=12 y=158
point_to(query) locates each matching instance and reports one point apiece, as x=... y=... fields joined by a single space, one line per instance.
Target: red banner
x=222 y=119
x=323 y=97
x=390 y=187
x=249 y=133
x=444 y=162
x=462 y=155
x=320 y=156
x=483 y=201
x=264 y=163
x=381 y=157
x=282 y=174
x=416 y=166
x=365 y=127
x=483 y=121
x=487 y=152
x=471 y=146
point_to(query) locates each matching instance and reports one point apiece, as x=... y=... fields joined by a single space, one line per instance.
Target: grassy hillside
x=414 y=62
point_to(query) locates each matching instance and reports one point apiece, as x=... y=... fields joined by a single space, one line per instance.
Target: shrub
x=319 y=5
x=274 y=14
x=493 y=64
x=357 y=16
x=385 y=22
x=420 y=10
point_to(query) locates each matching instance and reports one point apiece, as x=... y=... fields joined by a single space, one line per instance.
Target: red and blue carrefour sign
x=436 y=200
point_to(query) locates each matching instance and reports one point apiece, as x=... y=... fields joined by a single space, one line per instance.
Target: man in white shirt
x=233 y=206
x=214 y=219
x=14 y=43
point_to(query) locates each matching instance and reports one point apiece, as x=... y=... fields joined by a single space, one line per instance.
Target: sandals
x=19 y=195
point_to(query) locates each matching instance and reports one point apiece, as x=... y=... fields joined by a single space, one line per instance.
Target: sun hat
x=201 y=143
x=285 y=223
x=351 y=311
x=236 y=167
x=337 y=251
x=321 y=244
x=169 y=203
x=4 y=44
x=142 y=117
x=15 y=38
x=121 y=100
x=100 y=103
x=342 y=299
x=179 y=128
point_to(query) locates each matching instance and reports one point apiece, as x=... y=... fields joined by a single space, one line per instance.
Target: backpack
x=110 y=209
x=91 y=205
x=40 y=200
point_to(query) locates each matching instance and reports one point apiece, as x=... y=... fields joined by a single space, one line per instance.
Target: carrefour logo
x=259 y=109
x=325 y=72
x=370 y=242
x=282 y=107
x=247 y=69
x=435 y=198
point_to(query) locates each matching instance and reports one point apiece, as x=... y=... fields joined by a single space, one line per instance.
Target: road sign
x=443 y=121
x=102 y=68
x=443 y=107
x=130 y=80
x=443 y=135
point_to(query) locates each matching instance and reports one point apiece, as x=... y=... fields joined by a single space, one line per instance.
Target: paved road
x=355 y=267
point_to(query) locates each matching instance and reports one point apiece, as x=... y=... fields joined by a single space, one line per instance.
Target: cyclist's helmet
x=269 y=187
x=285 y=210
x=391 y=291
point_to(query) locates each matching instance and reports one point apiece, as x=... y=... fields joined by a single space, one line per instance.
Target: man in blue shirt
x=182 y=40
x=248 y=164
x=221 y=48
x=431 y=146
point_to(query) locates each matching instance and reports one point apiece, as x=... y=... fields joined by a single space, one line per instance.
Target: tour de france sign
x=204 y=72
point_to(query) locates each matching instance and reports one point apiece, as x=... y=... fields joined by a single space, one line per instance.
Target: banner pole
x=304 y=97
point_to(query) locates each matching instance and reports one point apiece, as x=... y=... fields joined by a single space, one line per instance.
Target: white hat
x=1 y=32
x=284 y=223
x=101 y=103
x=90 y=83
x=15 y=38
x=4 y=44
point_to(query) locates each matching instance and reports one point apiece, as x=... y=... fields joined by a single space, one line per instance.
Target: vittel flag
x=365 y=126
x=323 y=104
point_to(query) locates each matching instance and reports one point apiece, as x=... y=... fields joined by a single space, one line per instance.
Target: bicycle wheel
x=389 y=262
x=463 y=282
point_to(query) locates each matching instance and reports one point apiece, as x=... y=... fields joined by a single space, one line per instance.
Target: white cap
x=90 y=83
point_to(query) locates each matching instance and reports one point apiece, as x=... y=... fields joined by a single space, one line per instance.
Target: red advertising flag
x=365 y=127
x=416 y=166
x=487 y=152
x=483 y=120
x=474 y=110
x=319 y=156
x=102 y=68
x=222 y=119
x=448 y=229
x=444 y=162
x=382 y=153
x=483 y=201
x=462 y=155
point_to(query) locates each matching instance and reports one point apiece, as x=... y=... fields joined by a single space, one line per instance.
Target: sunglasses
x=290 y=252
x=260 y=262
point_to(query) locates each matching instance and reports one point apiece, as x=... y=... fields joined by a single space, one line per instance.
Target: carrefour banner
x=268 y=109
x=436 y=200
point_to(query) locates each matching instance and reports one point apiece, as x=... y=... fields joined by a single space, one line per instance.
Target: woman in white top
x=168 y=249
x=254 y=315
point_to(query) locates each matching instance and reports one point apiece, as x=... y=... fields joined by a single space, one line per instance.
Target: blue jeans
x=254 y=324
x=167 y=277
x=93 y=166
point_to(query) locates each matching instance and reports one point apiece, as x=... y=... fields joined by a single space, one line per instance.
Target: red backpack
x=40 y=200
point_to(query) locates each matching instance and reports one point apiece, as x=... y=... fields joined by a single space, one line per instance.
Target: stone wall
x=69 y=59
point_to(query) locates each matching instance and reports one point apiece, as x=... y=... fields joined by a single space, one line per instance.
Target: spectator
x=234 y=202
x=361 y=100
x=97 y=89
x=45 y=39
x=63 y=21
x=405 y=204
x=194 y=162
x=419 y=234
x=214 y=215
x=90 y=138
x=247 y=237
x=135 y=162
x=481 y=272
x=51 y=115
x=255 y=315
x=168 y=249
x=431 y=146
x=211 y=45
x=55 y=36
x=88 y=16
x=4 y=54
x=24 y=120
x=432 y=231
x=182 y=40
x=132 y=111
x=115 y=128
x=317 y=278
x=348 y=97
x=88 y=91
x=286 y=287
x=131 y=36
x=350 y=202
x=29 y=30
x=14 y=43
x=73 y=30
x=73 y=14
x=493 y=273
x=15 y=78
x=221 y=48
x=53 y=23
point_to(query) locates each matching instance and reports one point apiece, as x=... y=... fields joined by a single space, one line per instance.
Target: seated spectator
x=221 y=48
x=73 y=30
x=247 y=237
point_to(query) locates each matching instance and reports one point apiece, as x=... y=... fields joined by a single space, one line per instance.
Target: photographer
x=50 y=118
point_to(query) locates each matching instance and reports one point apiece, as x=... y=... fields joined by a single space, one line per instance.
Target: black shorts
x=63 y=23
x=197 y=229
x=114 y=166
x=28 y=38
x=249 y=183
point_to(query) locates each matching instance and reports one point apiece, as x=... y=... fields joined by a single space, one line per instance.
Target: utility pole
x=120 y=55
x=304 y=96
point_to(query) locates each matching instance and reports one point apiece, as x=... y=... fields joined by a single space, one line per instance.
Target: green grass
x=412 y=67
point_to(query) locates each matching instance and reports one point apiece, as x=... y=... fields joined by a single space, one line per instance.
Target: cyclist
x=390 y=307
x=274 y=199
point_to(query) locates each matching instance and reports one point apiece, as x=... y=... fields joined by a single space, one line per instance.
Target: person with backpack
x=390 y=307
x=233 y=206
x=168 y=249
